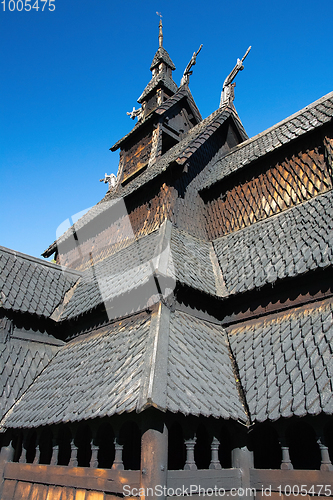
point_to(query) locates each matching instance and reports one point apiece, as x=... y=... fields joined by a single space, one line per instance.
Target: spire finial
x=160 y=31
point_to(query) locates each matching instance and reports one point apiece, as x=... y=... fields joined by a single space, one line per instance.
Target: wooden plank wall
x=136 y=156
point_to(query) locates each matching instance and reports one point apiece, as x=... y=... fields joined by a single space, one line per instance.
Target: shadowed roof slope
x=21 y=362
x=285 y=362
x=170 y=361
x=285 y=245
x=31 y=285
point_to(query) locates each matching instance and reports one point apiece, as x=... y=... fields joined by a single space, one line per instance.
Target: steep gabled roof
x=156 y=81
x=32 y=285
x=162 y=55
x=291 y=243
x=309 y=118
x=134 y=364
x=285 y=362
x=181 y=93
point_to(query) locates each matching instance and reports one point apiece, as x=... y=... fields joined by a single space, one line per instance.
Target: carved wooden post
x=326 y=463
x=73 y=461
x=190 y=462
x=215 y=463
x=154 y=454
x=242 y=458
x=118 y=457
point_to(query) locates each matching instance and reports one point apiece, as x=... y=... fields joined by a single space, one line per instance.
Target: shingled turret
x=161 y=86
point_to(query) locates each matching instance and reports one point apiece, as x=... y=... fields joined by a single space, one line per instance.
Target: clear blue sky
x=69 y=76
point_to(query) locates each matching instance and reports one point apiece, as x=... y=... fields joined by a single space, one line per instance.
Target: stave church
x=181 y=341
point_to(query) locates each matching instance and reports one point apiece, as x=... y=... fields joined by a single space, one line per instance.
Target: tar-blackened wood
x=316 y=286
x=136 y=155
x=154 y=453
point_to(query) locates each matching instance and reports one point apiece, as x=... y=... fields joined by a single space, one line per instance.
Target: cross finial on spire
x=160 y=32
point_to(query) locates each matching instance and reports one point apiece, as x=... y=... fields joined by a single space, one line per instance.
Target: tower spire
x=160 y=34
x=160 y=30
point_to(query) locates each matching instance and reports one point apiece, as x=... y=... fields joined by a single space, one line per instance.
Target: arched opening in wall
x=45 y=446
x=82 y=441
x=64 y=443
x=225 y=448
x=265 y=444
x=130 y=438
x=202 y=451
x=176 y=447
x=328 y=435
x=303 y=447
x=30 y=446
x=106 y=449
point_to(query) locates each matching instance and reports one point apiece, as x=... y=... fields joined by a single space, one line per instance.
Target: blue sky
x=69 y=76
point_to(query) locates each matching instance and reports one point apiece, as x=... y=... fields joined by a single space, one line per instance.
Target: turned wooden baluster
x=285 y=462
x=214 y=447
x=74 y=449
x=7 y=451
x=55 y=451
x=37 y=454
x=94 y=453
x=118 y=458
x=326 y=463
x=23 y=457
x=190 y=462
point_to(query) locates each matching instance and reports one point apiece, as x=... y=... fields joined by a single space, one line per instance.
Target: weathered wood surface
x=136 y=156
x=223 y=478
x=103 y=480
x=17 y=490
x=265 y=191
x=265 y=478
